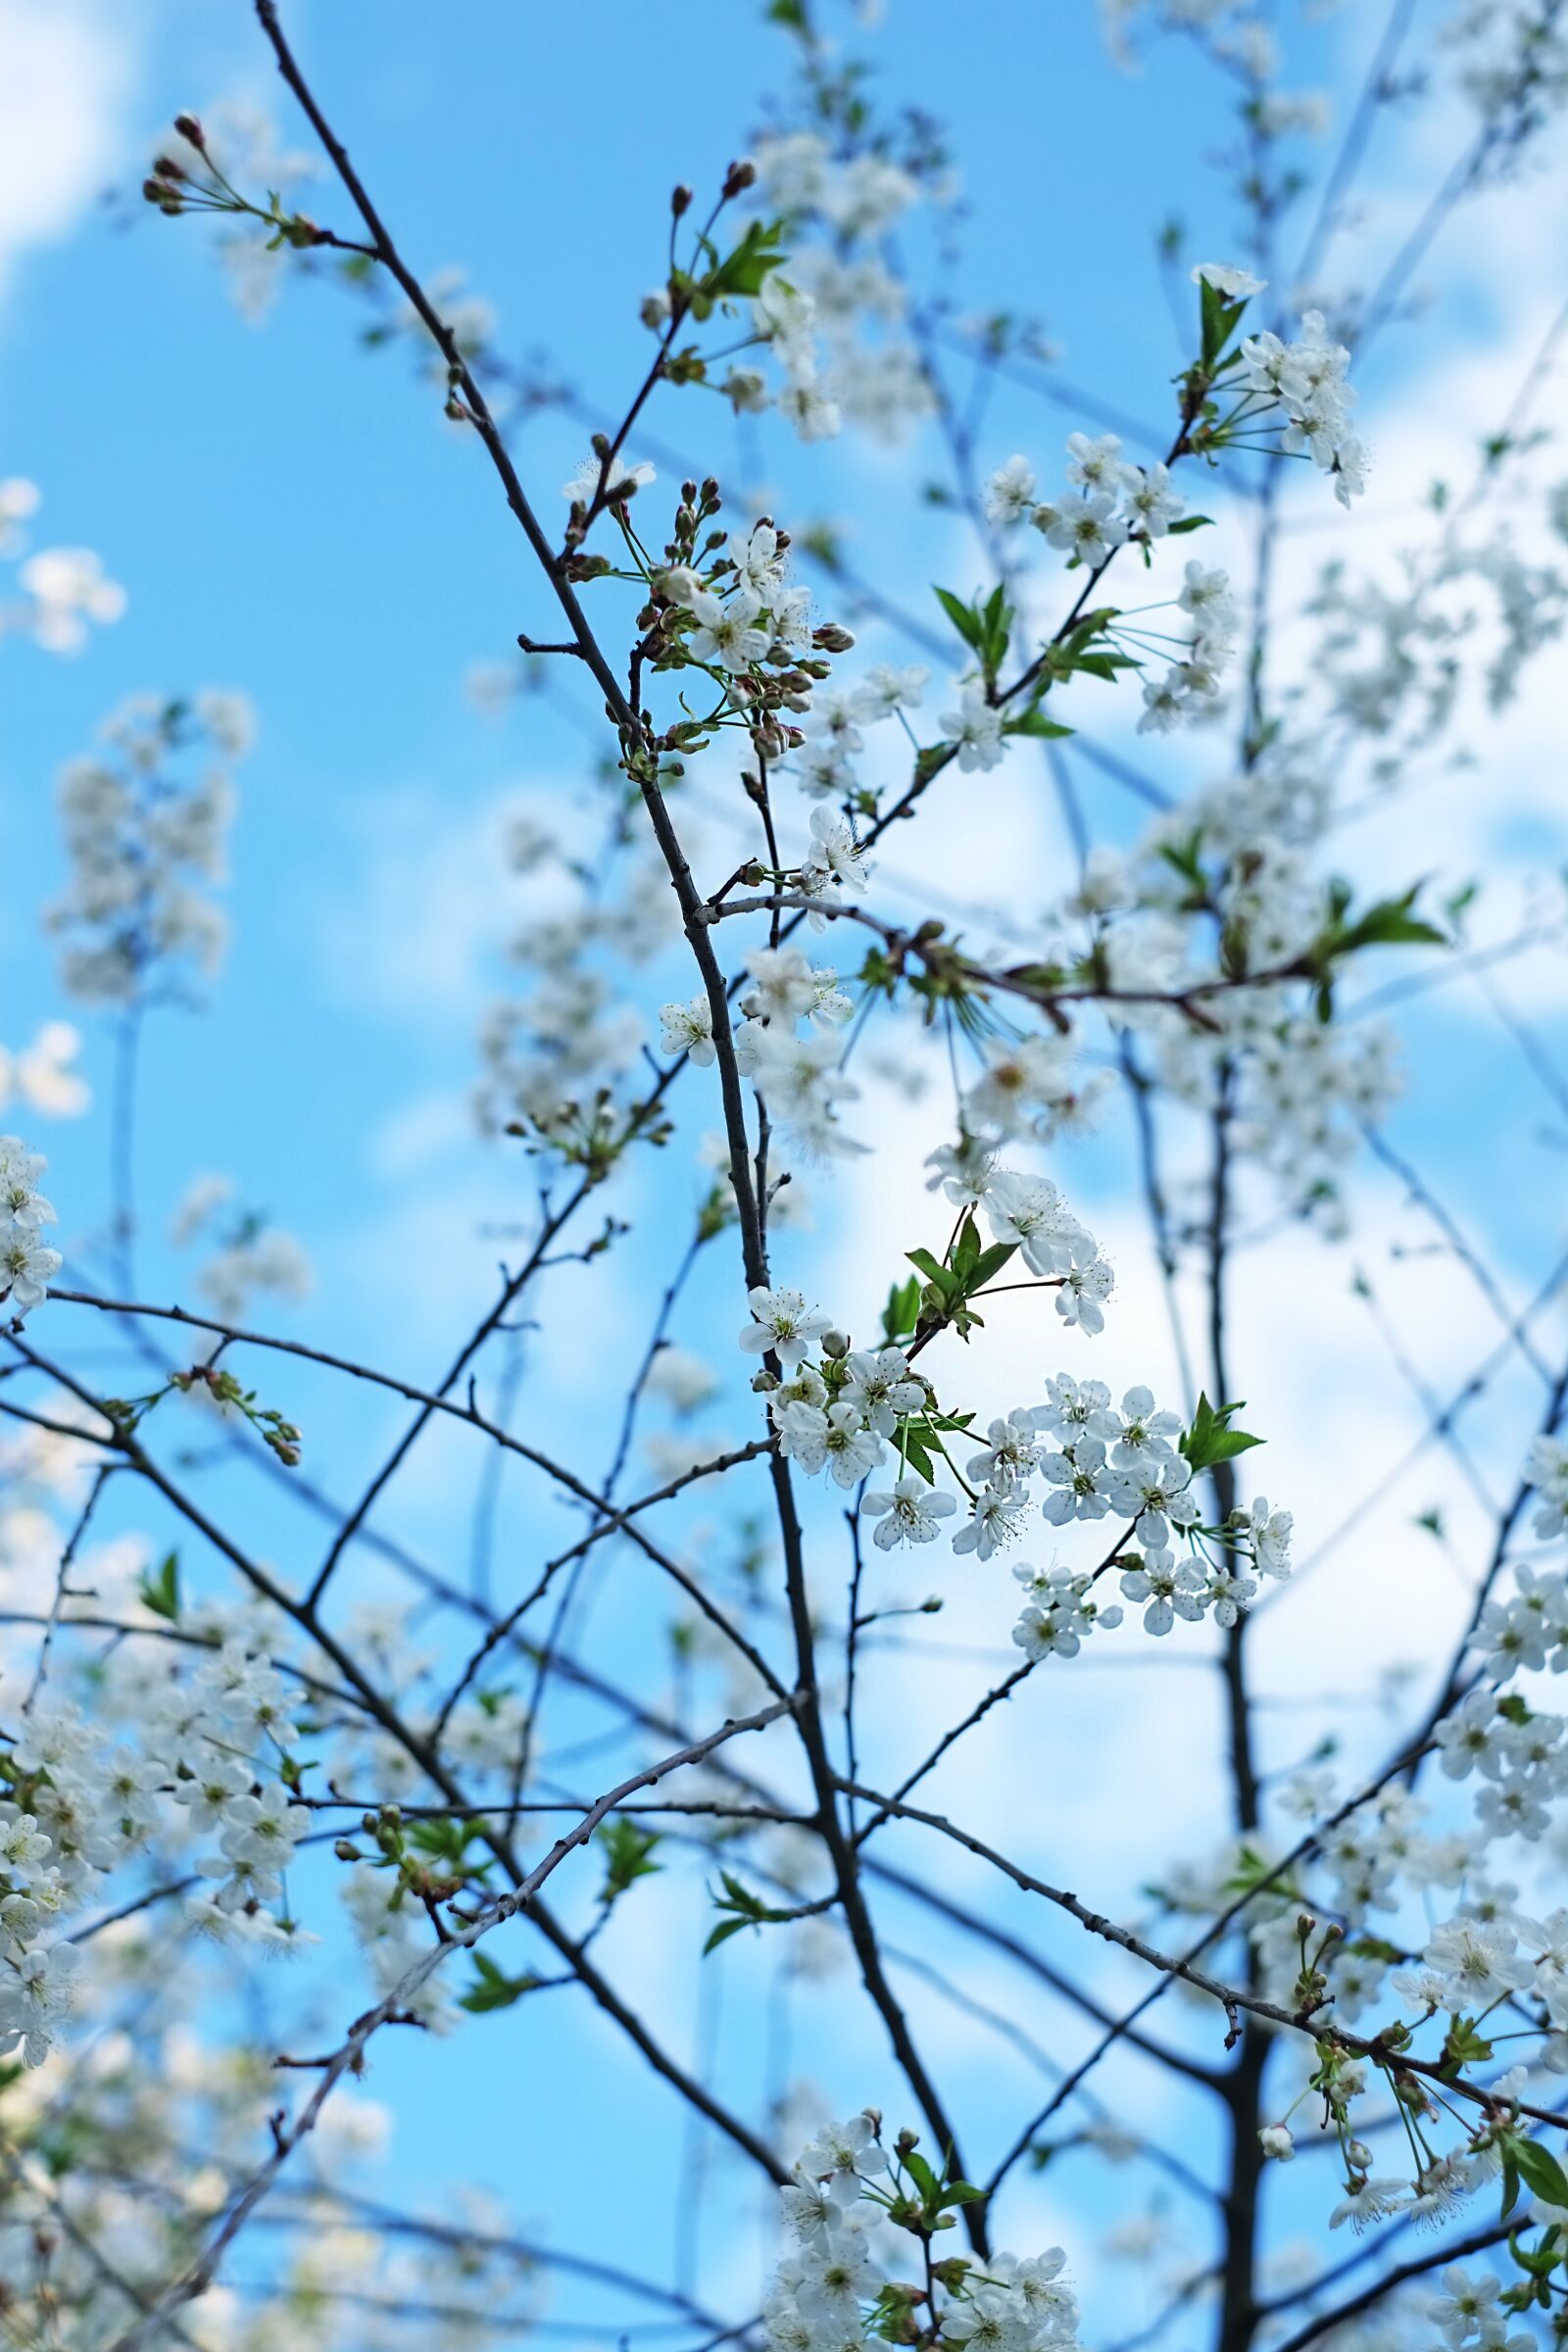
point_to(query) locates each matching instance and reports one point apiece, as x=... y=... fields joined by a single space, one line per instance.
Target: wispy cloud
x=69 y=73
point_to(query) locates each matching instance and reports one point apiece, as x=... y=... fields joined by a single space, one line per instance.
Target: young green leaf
x=1540 y=2172
x=1211 y=1438
x=160 y=1589
x=746 y=1910
x=492 y=1987
x=627 y=1854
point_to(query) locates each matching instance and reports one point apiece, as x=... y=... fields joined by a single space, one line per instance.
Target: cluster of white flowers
x=1190 y=688
x=141 y=840
x=1546 y=1470
x=1515 y=69
x=1031 y=1213
x=797 y=1075
x=813 y=310
x=833 y=729
x=1124 y=1464
x=388 y=1930
x=201 y=1758
x=1231 y=887
x=241 y=148
x=1059 y=1611
x=1028 y=1086
x=27 y=1265
x=1210 y=17
x=849 y=2200
x=745 y=612
x=838 y=1409
x=470 y=319
x=249 y=1253
x=1474 y=1961
x=1308 y=379
x=551 y=1059
x=1469 y=2311
x=64 y=590
x=142 y=2070
x=741 y=617
x=1111 y=502
x=40 y=1075
x=1488 y=1952
x=1395 y=658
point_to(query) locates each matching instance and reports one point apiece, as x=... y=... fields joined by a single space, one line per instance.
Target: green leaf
x=1463 y=2046
x=1184 y=856
x=902 y=1311
x=1046 y=976
x=1391 y=923
x=1540 y=2172
x=934 y=1271
x=492 y=1987
x=1211 y=1439
x=1375 y=1947
x=1219 y=320
x=627 y=1851
x=442 y=1839
x=990 y=1262
x=915 y=1454
x=1251 y=1870
x=1034 y=721
x=743 y=271
x=748 y=1909
x=996 y=619
x=725 y=1929
x=964 y=619
x=1388 y=922
x=160 y=1592
x=1188 y=523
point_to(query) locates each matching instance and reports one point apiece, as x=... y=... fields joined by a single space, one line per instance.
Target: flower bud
x=740 y=176
x=831 y=638
x=680 y=201
x=835 y=1343
x=190 y=129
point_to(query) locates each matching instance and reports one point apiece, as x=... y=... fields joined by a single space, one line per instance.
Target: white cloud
x=420 y=899
x=69 y=72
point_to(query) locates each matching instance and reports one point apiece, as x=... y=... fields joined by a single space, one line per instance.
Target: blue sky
x=291 y=518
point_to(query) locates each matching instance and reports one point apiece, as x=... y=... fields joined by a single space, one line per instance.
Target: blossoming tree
x=718 y=1736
